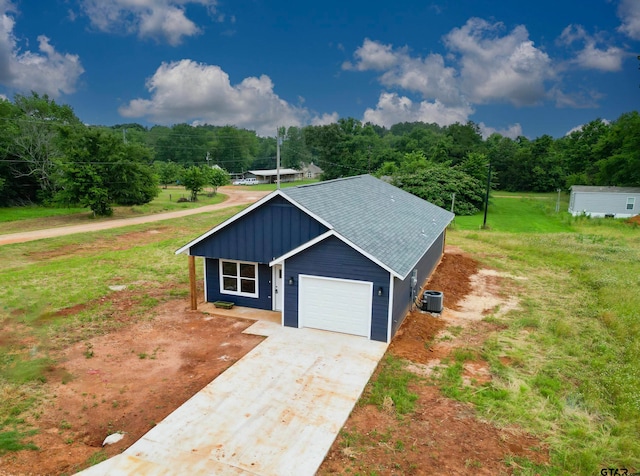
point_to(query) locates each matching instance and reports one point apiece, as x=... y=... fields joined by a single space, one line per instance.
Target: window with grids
x=631 y=201
x=239 y=278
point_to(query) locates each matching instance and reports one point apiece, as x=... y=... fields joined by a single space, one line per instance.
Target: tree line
x=48 y=155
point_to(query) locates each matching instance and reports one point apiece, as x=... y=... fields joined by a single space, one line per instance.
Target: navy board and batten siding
x=269 y=231
x=402 y=290
x=332 y=258
x=213 y=294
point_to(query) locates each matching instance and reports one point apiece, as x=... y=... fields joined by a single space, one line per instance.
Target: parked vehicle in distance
x=246 y=181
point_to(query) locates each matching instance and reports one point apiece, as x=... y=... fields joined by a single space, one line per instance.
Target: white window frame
x=631 y=201
x=238 y=278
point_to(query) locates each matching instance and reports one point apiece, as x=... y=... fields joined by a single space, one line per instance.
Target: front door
x=278 y=289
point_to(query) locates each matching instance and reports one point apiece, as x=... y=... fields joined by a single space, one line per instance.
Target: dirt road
x=236 y=197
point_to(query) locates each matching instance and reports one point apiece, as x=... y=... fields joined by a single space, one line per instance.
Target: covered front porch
x=241 y=312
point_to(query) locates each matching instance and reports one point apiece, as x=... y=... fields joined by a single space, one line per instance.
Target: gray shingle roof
x=386 y=222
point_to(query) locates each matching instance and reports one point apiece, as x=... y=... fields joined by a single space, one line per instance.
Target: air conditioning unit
x=432 y=301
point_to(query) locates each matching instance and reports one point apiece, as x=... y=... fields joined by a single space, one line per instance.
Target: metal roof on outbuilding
x=603 y=189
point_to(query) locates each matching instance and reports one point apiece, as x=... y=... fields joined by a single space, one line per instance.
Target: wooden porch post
x=192 y=283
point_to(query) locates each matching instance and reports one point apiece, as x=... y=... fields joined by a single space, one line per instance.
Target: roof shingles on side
x=390 y=224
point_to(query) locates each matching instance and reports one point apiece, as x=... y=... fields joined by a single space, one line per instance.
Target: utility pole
x=124 y=135
x=558 y=202
x=486 y=200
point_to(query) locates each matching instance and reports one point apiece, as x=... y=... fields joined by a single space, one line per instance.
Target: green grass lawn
x=18 y=219
x=521 y=213
x=574 y=343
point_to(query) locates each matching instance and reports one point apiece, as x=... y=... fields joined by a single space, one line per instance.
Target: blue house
x=345 y=255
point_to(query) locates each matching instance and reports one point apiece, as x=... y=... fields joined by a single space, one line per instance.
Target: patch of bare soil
x=126 y=381
x=122 y=242
x=635 y=219
x=443 y=436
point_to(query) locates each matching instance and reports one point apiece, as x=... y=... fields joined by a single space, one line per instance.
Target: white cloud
x=486 y=66
x=46 y=71
x=373 y=55
x=513 y=131
x=185 y=91
x=162 y=20
x=629 y=14
x=498 y=68
x=325 y=119
x=393 y=108
x=428 y=77
x=590 y=56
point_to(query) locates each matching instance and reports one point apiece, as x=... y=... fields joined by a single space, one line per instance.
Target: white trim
x=302 y=247
x=390 y=313
x=238 y=279
x=237 y=216
x=631 y=201
x=284 y=292
x=274 y=299
x=325 y=235
x=301 y=277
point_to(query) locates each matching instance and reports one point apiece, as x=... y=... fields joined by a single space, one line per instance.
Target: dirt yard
x=443 y=436
x=126 y=381
x=131 y=378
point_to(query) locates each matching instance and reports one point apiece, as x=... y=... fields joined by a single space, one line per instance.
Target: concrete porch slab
x=276 y=411
x=241 y=312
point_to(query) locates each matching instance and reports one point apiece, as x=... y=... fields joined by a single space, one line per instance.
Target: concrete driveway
x=277 y=411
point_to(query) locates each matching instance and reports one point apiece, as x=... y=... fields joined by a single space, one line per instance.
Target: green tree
x=619 y=152
x=168 y=172
x=182 y=143
x=465 y=138
x=412 y=162
x=476 y=165
x=439 y=182
x=235 y=149
x=218 y=177
x=194 y=179
x=36 y=143
x=294 y=150
x=99 y=170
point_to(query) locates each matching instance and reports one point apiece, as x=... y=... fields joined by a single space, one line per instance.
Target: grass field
x=17 y=219
x=574 y=343
x=521 y=213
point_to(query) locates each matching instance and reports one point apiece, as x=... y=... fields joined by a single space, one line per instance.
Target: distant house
x=310 y=171
x=616 y=202
x=346 y=255
x=271 y=176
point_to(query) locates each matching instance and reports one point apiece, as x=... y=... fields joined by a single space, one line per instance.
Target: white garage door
x=337 y=305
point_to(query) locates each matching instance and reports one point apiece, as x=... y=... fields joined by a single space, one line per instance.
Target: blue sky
x=518 y=68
